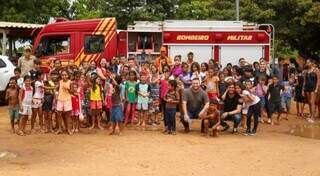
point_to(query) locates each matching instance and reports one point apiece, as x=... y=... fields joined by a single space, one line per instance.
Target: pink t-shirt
x=163 y=88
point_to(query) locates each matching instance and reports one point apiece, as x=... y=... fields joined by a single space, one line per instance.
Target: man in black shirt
x=232 y=108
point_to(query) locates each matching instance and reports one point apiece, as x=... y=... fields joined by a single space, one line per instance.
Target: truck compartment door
x=201 y=53
x=232 y=54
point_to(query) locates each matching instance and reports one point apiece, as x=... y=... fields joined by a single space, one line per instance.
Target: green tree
x=33 y=11
x=298 y=25
x=86 y=9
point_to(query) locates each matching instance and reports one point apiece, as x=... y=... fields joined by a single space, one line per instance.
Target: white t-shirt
x=256 y=99
x=38 y=92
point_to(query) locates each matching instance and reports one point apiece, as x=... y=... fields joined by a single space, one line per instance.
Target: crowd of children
x=109 y=94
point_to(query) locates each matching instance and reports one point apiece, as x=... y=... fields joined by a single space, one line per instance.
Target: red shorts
x=95 y=104
x=212 y=96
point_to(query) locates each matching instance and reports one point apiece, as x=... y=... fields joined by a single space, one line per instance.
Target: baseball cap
x=27 y=48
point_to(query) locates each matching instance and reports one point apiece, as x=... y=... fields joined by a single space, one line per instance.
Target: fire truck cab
x=78 y=41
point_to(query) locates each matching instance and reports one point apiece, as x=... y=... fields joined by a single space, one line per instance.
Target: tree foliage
x=32 y=11
x=297 y=22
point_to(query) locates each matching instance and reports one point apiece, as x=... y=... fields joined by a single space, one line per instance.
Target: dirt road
x=272 y=152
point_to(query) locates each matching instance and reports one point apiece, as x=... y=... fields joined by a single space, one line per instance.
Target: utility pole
x=237 y=10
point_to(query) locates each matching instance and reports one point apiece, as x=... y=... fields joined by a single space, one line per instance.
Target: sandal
x=21 y=133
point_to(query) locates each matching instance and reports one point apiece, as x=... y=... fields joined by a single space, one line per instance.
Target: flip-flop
x=20 y=133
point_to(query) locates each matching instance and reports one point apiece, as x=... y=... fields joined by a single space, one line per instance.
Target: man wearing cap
x=163 y=58
x=26 y=61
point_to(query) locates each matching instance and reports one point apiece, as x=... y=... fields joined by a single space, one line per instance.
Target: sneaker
x=235 y=130
x=253 y=133
x=269 y=121
x=173 y=133
x=165 y=131
x=226 y=128
x=310 y=120
x=247 y=133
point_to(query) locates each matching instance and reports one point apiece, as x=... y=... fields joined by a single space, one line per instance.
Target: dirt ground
x=274 y=151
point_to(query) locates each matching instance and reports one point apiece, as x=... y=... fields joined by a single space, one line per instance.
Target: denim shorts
x=117 y=113
x=263 y=102
x=14 y=113
x=286 y=103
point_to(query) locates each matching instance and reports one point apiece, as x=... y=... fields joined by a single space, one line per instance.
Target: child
x=116 y=110
x=75 y=113
x=13 y=100
x=55 y=77
x=37 y=103
x=253 y=102
x=143 y=90
x=177 y=68
x=244 y=111
x=298 y=96
x=195 y=71
x=84 y=85
x=131 y=97
x=261 y=91
x=47 y=106
x=17 y=73
x=212 y=84
x=222 y=84
x=274 y=99
x=154 y=95
x=108 y=97
x=96 y=97
x=25 y=104
x=286 y=96
x=204 y=70
x=64 y=104
x=211 y=122
x=163 y=91
x=35 y=72
x=185 y=76
x=171 y=98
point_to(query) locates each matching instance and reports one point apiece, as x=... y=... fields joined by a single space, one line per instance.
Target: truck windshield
x=53 y=45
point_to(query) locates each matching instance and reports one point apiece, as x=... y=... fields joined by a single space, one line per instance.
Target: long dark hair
x=94 y=81
x=173 y=83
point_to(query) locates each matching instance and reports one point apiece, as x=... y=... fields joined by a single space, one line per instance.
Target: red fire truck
x=86 y=40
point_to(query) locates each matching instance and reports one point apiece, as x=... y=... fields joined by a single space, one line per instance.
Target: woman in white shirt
x=253 y=102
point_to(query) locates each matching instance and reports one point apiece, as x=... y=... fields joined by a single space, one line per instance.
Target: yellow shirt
x=64 y=94
x=95 y=95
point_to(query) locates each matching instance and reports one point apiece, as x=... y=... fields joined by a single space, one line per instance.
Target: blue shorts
x=14 y=113
x=286 y=103
x=263 y=102
x=116 y=113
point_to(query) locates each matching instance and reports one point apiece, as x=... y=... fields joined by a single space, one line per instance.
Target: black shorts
x=47 y=103
x=275 y=107
x=211 y=124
